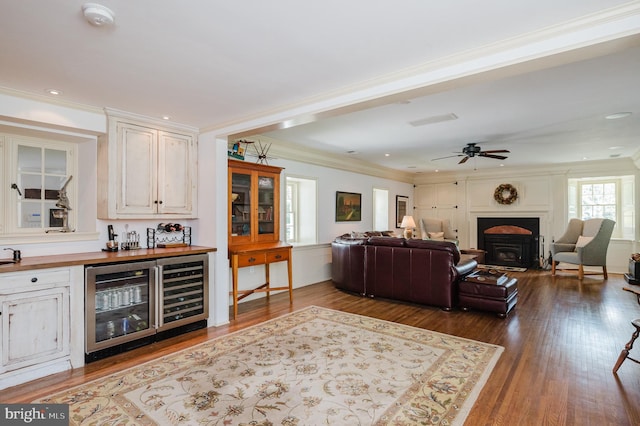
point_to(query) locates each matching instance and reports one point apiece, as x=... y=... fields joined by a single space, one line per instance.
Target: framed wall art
x=348 y=207
x=402 y=204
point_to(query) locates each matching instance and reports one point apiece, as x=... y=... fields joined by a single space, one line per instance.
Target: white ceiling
x=215 y=64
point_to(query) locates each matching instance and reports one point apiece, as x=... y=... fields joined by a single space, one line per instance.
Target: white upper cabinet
x=146 y=171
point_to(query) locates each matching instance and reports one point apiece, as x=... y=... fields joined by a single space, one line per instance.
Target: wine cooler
x=129 y=304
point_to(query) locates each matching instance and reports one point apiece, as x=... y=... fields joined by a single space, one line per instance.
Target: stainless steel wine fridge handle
x=157 y=295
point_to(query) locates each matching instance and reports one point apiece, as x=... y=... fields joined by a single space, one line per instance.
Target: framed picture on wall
x=348 y=207
x=402 y=204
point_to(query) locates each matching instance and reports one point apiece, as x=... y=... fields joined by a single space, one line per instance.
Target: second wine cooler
x=130 y=304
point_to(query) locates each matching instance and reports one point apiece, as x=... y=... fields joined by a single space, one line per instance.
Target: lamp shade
x=408 y=222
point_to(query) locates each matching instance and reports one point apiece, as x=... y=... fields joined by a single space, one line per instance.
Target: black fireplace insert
x=510 y=241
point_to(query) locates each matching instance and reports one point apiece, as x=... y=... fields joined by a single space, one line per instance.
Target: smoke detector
x=97 y=14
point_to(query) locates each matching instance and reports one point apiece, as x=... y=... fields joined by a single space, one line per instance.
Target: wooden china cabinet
x=254 y=225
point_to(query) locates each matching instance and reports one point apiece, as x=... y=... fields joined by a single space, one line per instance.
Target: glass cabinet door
x=41 y=174
x=240 y=205
x=266 y=185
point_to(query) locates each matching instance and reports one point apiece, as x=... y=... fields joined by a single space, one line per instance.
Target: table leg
x=266 y=273
x=290 y=280
x=234 y=275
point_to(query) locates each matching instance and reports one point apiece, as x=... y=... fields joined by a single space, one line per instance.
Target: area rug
x=503 y=268
x=314 y=366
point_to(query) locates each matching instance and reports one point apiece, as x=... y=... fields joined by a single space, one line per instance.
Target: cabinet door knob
x=278 y=256
x=160 y=202
x=34 y=279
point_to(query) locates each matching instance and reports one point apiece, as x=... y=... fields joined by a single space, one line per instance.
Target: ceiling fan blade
x=495 y=151
x=464 y=160
x=498 y=157
x=449 y=156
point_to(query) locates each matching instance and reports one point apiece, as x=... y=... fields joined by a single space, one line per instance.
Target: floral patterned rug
x=314 y=366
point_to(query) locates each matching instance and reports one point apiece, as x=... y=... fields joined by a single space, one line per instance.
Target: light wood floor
x=561 y=342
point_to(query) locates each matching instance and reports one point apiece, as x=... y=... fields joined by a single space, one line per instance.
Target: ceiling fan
x=472 y=150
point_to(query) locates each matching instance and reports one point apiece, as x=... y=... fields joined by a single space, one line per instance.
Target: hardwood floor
x=561 y=343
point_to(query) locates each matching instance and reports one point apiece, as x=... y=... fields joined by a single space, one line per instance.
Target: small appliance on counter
x=112 y=244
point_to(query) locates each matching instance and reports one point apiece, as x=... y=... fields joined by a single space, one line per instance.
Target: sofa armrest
x=465 y=267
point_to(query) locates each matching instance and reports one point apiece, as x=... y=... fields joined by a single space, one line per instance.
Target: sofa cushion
x=582 y=241
x=437 y=236
x=386 y=241
x=436 y=245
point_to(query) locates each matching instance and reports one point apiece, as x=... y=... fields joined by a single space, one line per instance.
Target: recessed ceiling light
x=55 y=92
x=617 y=115
x=387 y=155
x=166 y=117
x=616 y=147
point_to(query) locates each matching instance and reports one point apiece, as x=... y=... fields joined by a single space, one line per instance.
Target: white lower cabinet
x=35 y=333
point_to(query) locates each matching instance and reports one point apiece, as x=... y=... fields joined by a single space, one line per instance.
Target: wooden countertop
x=93 y=258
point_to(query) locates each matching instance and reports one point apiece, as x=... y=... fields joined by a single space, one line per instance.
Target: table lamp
x=408 y=224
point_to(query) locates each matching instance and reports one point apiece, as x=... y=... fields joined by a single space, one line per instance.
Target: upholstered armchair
x=437 y=229
x=584 y=243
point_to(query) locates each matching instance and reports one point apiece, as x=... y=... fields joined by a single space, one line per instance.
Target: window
x=35 y=172
x=598 y=199
x=605 y=197
x=380 y=209
x=301 y=211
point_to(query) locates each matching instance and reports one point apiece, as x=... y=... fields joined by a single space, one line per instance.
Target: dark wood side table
x=479 y=254
x=241 y=256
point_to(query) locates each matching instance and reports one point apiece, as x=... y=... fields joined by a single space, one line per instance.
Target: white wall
x=541 y=193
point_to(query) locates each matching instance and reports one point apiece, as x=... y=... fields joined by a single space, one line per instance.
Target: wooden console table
x=241 y=256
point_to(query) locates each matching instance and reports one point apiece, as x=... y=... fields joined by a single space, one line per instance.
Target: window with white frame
x=605 y=197
x=35 y=172
x=301 y=210
x=380 y=209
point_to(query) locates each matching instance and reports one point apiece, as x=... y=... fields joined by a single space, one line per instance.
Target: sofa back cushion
x=386 y=241
x=436 y=245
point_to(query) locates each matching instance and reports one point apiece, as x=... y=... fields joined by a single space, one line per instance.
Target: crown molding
x=132 y=116
x=49 y=99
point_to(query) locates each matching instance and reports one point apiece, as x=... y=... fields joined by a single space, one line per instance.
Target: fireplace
x=509 y=241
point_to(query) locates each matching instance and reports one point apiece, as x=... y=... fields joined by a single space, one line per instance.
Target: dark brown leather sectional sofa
x=418 y=271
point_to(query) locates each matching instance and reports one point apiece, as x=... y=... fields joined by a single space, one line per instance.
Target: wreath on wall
x=501 y=196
